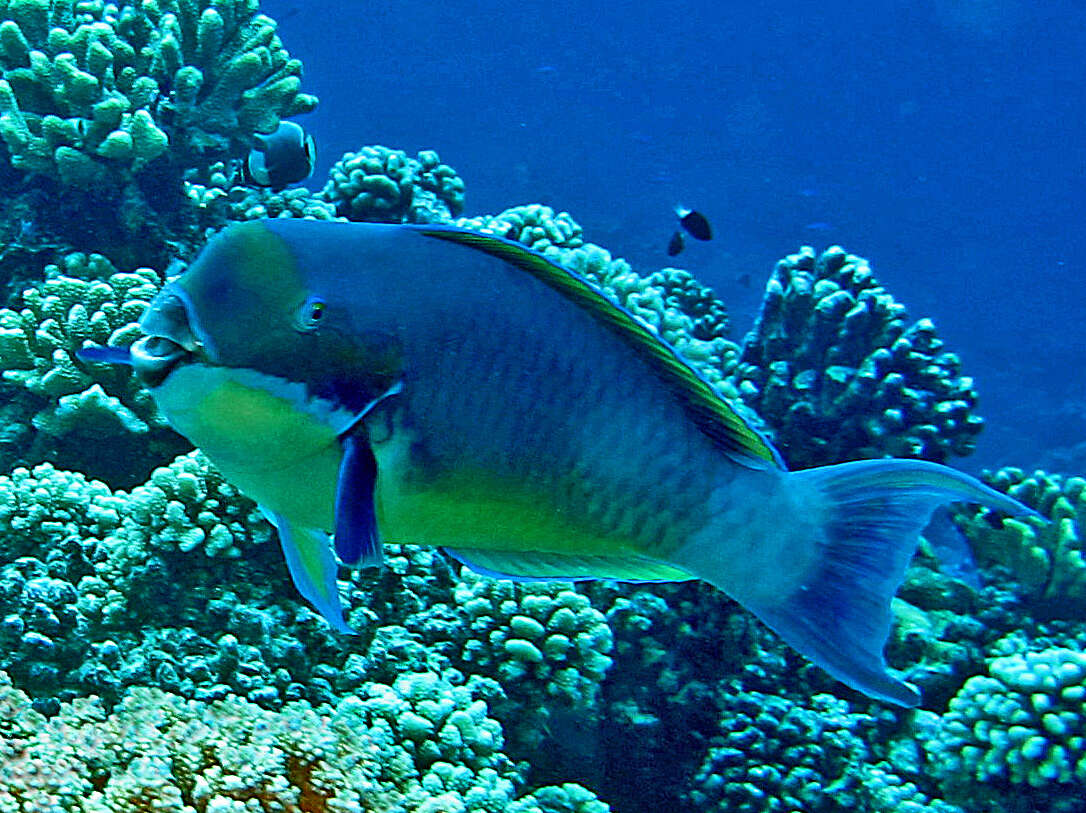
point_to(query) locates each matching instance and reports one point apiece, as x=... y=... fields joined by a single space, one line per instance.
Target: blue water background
x=944 y=140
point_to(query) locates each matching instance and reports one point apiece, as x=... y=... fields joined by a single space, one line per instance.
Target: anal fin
x=533 y=566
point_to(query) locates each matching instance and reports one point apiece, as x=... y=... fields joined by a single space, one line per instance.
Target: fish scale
x=524 y=376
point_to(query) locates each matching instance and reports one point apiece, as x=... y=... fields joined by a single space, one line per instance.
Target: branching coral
x=774 y=755
x=1022 y=726
x=1048 y=559
x=158 y=751
x=836 y=369
x=82 y=564
x=544 y=643
x=90 y=90
x=83 y=408
x=381 y=185
x=105 y=106
x=220 y=200
x=535 y=225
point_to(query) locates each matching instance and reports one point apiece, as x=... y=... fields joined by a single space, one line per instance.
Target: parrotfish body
x=436 y=386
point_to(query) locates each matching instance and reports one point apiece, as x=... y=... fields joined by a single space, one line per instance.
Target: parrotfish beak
x=154 y=358
x=171 y=338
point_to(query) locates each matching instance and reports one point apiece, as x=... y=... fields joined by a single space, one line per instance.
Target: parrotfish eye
x=311 y=313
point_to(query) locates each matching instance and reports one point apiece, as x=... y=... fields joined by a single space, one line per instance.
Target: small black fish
x=744 y=280
x=676 y=244
x=695 y=223
x=281 y=158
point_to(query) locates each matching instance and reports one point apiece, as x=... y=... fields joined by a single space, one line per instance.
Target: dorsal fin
x=713 y=415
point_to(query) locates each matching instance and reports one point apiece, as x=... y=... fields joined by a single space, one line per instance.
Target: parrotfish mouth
x=155 y=357
x=171 y=339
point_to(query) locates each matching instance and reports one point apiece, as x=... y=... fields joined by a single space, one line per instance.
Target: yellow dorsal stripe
x=712 y=414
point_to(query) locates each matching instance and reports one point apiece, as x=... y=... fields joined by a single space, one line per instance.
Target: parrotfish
x=281 y=158
x=369 y=383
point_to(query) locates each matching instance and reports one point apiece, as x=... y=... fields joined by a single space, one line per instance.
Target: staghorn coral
x=1046 y=559
x=836 y=369
x=381 y=185
x=1022 y=726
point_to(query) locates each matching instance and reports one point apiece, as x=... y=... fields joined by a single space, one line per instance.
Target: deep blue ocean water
x=943 y=140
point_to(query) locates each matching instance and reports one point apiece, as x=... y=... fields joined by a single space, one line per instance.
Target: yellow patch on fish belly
x=274 y=452
x=476 y=510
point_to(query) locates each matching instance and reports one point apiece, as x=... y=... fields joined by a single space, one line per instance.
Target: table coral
x=834 y=366
x=1047 y=559
x=1022 y=726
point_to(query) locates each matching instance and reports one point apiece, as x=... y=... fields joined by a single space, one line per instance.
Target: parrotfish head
x=247 y=305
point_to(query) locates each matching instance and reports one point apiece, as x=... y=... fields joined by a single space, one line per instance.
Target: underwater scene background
x=154 y=653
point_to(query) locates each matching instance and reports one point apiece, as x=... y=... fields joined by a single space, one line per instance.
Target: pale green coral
x=544 y=645
x=436 y=722
x=85 y=302
x=218 y=200
x=544 y=634
x=378 y=184
x=537 y=226
x=1047 y=558
x=1023 y=725
x=79 y=408
x=187 y=505
x=772 y=754
x=158 y=751
x=89 y=89
x=836 y=368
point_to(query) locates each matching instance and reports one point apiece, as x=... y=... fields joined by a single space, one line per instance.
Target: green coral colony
x=154 y=656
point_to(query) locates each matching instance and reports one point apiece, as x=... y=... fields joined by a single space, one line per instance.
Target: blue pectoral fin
x=104 y=355
x=356 y=538
x=313 y=569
